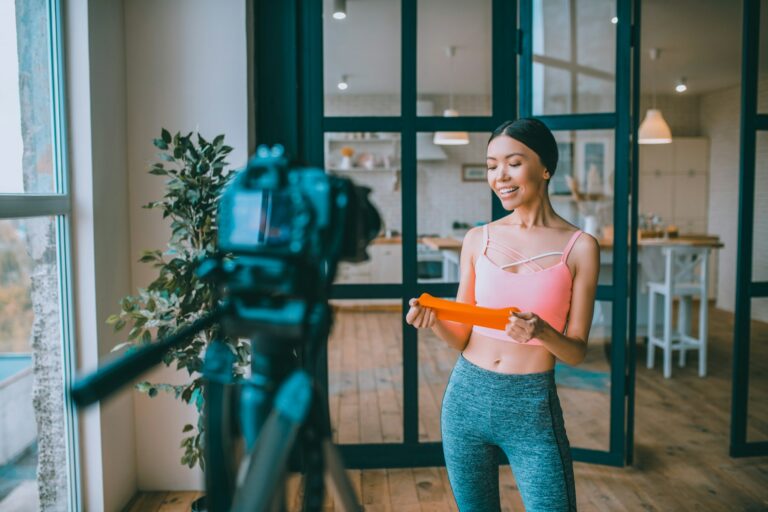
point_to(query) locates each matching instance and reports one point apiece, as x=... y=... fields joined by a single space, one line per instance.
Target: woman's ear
x=547 y=174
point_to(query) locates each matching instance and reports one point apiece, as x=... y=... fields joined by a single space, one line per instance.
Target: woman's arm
x=454 y=333
x=572 y=348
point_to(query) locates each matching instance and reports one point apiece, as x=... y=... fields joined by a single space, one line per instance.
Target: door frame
x=622 y=293
x=289 y=50
x=746 y=289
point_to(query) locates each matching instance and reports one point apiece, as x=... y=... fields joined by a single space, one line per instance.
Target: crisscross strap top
x=545 y=291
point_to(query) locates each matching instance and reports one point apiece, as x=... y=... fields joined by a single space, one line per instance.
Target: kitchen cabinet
x=387 y=263
x=384 y=266
x=674 y=182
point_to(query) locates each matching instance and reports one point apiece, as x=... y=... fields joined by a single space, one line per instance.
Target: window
x=37 y=469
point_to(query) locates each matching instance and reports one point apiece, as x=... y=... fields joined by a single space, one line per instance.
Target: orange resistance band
x=466 y=313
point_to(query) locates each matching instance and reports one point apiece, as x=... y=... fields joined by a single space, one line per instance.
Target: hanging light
x=339 y=9
x=451 y=138
x=654 y=129
x=343 y=85
x=682 y=85
x=614 y=20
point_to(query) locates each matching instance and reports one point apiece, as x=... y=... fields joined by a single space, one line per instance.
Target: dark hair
x=534 y=134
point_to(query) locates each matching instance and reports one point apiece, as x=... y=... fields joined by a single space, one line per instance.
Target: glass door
x=576 y=75
x=385 y=81
x=749 y=436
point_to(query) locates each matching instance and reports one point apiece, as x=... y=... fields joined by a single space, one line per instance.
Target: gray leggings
x=486 y=412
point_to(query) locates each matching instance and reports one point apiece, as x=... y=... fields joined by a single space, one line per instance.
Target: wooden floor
x=682 y=426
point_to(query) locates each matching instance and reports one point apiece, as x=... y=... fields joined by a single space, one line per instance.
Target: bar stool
x=680 y=280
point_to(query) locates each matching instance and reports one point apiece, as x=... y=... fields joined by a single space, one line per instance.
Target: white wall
x=100 y=239
x=186 y=69
x=720 y=117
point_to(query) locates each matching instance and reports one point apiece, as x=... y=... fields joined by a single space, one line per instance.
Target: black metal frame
x=622 y=293
x=301 y=21
x=746 y=288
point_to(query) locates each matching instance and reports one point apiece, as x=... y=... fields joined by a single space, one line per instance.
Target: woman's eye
x=515 y=164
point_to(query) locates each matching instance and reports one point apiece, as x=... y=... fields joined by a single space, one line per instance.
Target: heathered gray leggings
x=486 y=412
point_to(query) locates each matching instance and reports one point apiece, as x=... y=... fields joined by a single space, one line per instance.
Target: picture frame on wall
x=474 y=172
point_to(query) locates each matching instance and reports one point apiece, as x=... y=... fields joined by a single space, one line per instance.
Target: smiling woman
x=514 y=367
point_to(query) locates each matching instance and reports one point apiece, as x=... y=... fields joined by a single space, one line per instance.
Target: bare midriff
x=507 y=356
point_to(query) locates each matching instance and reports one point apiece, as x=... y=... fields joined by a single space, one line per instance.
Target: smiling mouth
x=507 y=191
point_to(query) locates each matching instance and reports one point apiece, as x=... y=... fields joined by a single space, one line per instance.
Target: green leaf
x=187 y=428
x=119 y=324
x=121 y=345
x=160 y=144
x=152 y=392
x=112 y=319
x=146 y=337
x=158 y=172
x=166 y=136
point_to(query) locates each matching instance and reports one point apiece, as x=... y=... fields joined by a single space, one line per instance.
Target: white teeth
x=508 y=190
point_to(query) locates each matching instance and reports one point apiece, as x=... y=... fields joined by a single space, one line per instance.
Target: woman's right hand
x=419 y=316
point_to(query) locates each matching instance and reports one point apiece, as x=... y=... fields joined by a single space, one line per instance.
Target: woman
x=501 y=395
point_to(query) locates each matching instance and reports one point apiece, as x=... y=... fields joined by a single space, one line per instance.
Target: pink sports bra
x=546 y=292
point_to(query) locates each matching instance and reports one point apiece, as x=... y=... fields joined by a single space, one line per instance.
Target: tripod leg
x=266 y=471
x=337 y=474
x=313 y=470
x=219 y=424
x=323 y=459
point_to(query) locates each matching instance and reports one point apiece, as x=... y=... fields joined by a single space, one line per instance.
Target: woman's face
x=515 y=172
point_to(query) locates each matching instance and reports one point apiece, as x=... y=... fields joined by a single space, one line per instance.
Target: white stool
x=680 y=264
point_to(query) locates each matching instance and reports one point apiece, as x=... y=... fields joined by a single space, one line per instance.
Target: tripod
x=276 y=409
x=279 y=410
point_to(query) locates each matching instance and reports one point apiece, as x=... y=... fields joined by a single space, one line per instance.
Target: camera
x=282 y=230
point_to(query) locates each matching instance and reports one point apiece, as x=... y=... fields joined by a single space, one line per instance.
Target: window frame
x=59 y=206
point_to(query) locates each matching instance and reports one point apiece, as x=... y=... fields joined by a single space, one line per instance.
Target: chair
x=680 y=280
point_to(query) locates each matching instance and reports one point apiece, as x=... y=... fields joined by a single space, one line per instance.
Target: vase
x=591 y=225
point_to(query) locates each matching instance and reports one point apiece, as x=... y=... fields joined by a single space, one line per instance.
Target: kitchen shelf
x=386 y=138
x=363 y=169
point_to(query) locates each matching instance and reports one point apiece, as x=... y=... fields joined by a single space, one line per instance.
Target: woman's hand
x=419 y=316
x=526 y=325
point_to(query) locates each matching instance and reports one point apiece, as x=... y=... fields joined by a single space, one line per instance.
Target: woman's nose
x=505 y=172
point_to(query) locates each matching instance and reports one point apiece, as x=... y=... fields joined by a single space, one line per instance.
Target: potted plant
x=196 y=176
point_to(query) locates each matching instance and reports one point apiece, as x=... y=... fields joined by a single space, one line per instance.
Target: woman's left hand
x=526 y=325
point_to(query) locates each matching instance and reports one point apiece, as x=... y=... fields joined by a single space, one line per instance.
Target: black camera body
x=281 y=232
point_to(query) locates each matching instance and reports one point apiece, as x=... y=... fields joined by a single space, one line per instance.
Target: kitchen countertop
x=697 y=240
x=452 y=244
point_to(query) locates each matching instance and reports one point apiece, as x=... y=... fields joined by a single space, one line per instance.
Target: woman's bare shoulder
x=473 y=242
x=586 y=252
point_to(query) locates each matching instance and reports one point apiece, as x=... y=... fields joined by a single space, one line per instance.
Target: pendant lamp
x=451 y=138
x=654 y=129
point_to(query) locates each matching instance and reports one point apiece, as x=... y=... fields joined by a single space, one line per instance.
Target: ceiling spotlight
x=343 y=84
x=339 y=9
x=681 y=85
x=614 y=20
